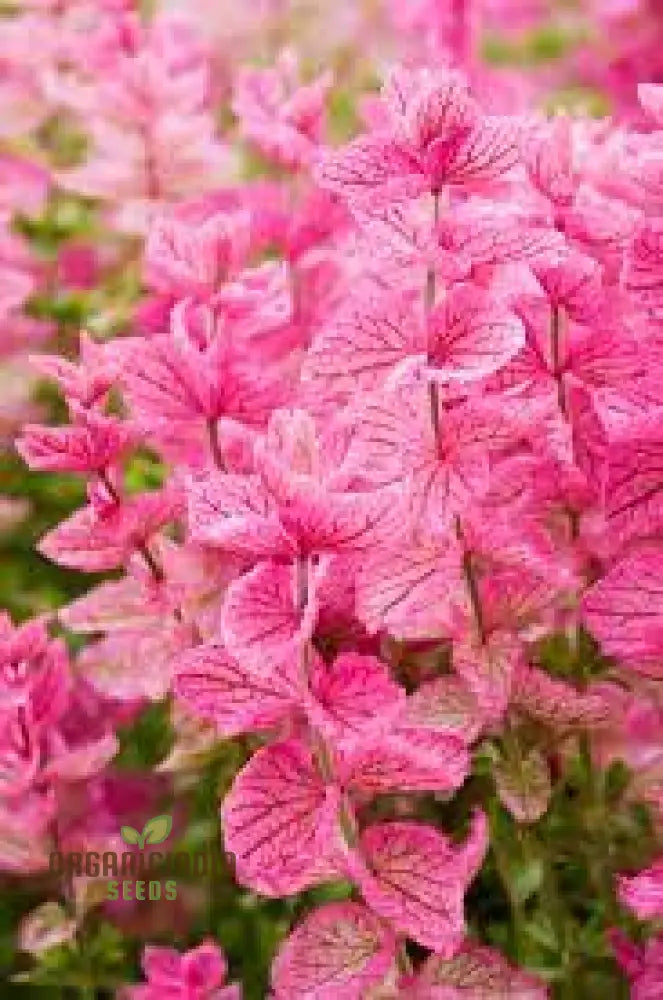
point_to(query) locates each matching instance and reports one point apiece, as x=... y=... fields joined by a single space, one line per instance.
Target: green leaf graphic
x=157 y=829
x=129 y=835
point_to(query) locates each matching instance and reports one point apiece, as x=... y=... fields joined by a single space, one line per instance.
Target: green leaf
x=129 y=835
x=526 y=879
x=147 y=740
x=157 y=829
x=542 y=931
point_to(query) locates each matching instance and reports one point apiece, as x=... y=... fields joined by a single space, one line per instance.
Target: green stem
x=403 y=959
x=472 y=585
x=215 y=444
x=555 y=353
x=599 y=863
x=429 y=302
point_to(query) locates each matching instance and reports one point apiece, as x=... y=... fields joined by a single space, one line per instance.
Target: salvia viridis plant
x=331 y=371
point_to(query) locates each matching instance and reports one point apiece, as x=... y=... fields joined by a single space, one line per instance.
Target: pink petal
x=557 y=703
x=182 y=259
x=643 y=264
x=25 y=184
x=489 y=671
x=491 y=149
x=326 y=521
x=50 y=687
x=112 y=606
x=204 y=967
x=82 y=543
x=571 y=281
x=434 y=106
x=90 y=446
x=394 y=436
x=132 y=664
x=370 y=169
x=93 y=543
x=291 y=441
x=162 y=966
x=19 y=853
x=83 y=760
x=548 y=156
x=480 y=232
x=631 y=957
x=650 y=96
x=395 y=443
x=634 y=488
x=159 y=383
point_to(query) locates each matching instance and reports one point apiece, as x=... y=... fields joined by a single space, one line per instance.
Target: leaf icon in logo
x=157 y=829
x=129 y=835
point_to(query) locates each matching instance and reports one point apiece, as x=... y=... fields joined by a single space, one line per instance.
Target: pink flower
x=184 y=260
x=86 y=382
x=152 y=130
x=643 y=893
x=430 y=133
x=198 y=974
x=48 y=738
x=643 y=964
x=283 y=118
x=78 y=266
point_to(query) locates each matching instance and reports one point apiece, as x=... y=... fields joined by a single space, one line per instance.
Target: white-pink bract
x=339 y=953
x=475 y=973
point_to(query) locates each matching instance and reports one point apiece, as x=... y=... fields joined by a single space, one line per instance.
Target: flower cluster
x=54 y=732
x=404 y=398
